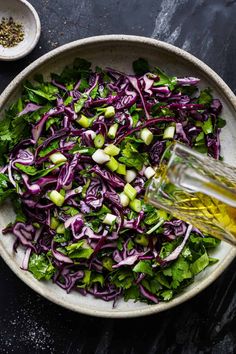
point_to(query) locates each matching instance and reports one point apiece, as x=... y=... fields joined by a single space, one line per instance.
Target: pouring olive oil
x=196 y=189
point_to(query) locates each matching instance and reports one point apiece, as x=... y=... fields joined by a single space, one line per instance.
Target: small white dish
x=22 y=12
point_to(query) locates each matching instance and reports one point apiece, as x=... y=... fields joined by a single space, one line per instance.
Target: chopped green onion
x=109 y=219
x=85 y=187
x=99 y=141
x=141 y=240
x=169 y=132
x=84 y=121
x=112 y=164
x=113 y=130
x=121 y=169
x=136 y=205
x=112 y=150
x=60 y=229
x=146 y=135
x=124 y=200
x=54 y=223
x=57 y=157
x=130 y=175
x=56 y=198
x=155 y=227
x=130 y=191
x=109 y=112
x=107 y=263
x=149 y=172
x=100 y=157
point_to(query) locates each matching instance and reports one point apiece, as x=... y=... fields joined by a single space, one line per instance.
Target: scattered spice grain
x=11 y=32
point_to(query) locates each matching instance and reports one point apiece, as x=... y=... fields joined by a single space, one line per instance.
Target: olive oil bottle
x=198 y=190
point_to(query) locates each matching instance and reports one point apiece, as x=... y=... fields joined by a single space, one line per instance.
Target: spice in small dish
x=11 y=32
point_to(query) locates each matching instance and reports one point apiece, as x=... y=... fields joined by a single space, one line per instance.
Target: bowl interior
x=119 y=52
x=21 y=12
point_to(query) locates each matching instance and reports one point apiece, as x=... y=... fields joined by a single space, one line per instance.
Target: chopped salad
x=76 y=155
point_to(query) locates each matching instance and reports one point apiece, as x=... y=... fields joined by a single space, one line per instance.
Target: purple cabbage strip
x=175 y=254
x=30 y=107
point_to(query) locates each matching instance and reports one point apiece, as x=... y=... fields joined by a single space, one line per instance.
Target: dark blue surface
x=205 y=324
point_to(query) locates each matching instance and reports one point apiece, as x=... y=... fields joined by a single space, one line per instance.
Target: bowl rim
x=229 y=95
x=36 y=38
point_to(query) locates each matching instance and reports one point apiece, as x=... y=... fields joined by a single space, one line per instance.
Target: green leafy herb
x=164 y=79
x=122 y=278
x=79 y=250
x=68 y=210
x=97 y=278
x=205 y=97
x=80 y=103
x=29 y=170
x=47 y=91
x=41 y=267
x=131 y=157
x=167 y=295
x=143 y=267
x=32 y=171
x=131 y=293
x=179 y=271
x=220 y=123
x=200 y=264
x=60 y=238
x=5 y=192
x=54 y=145
x=207 y=126
x=140 y=66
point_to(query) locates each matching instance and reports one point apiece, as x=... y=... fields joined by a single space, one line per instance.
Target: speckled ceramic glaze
x=119 y=51
x=23 y=12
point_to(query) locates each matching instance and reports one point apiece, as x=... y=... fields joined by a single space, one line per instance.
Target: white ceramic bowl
x=22 y=12
x=119 y=51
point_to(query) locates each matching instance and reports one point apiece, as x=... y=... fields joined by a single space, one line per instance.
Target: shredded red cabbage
x=76 y=227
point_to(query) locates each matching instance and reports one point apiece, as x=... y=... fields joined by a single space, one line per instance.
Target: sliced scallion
x=113 y=130
x=99 y=141
x=109 y=112
x=112 y=150
x=112 y=164
x=130 y=191
x=136 y=205
x=56 y=198
x=146 y=135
